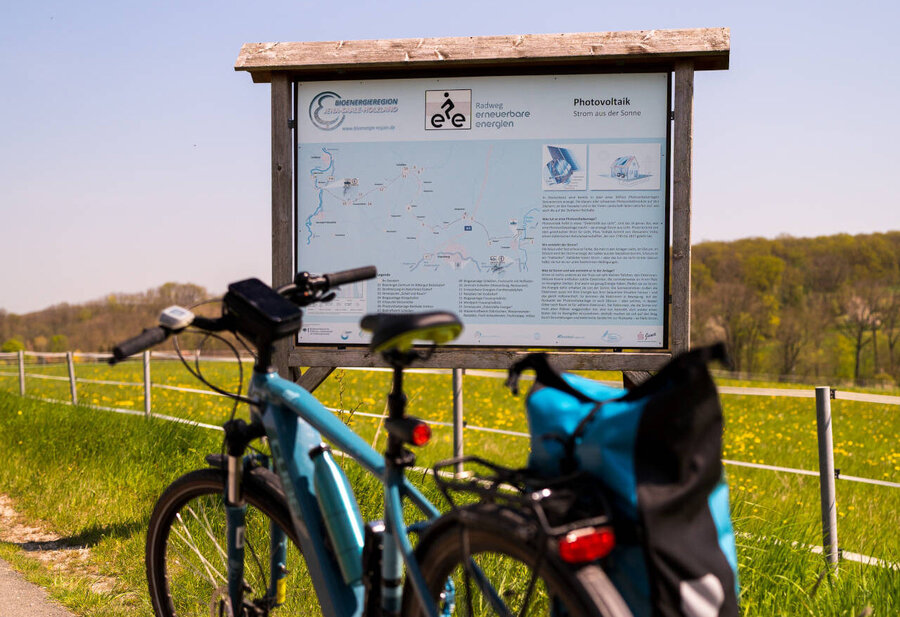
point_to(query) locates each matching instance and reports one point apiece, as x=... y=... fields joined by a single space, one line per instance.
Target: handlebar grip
x=343 y=277
x=145 y=340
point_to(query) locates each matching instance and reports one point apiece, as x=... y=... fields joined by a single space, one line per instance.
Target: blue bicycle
x=276 y=529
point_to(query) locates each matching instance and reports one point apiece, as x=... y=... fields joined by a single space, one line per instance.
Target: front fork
x=237 y=437
x=236 y=519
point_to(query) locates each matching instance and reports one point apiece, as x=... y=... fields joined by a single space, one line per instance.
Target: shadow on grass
x=86 y=539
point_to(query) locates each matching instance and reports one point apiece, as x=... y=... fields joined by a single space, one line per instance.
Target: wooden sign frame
x=678 y=52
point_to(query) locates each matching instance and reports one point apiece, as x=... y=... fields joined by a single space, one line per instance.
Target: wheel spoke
x=487 y=589
x=207 y=527
x=498 y=558
x=187 y=549
x=185 y=534
x=531 y=585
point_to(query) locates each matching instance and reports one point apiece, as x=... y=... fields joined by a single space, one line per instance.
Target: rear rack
x=559 y=505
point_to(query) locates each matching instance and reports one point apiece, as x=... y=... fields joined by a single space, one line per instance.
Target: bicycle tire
x=185 y=551
x=506 y=546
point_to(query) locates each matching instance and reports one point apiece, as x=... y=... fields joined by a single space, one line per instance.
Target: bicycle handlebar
x=310 y=288
x=336 y=279
x=136 y=344
x=306 y=289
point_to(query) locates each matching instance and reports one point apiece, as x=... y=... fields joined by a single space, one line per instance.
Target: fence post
x=826 y=475
x=21 y=373
x=458 y=417
x=70 y=363
x=147 y=384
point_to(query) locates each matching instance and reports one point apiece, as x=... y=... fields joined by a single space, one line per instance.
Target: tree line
x=813 y=307
x=96 y=325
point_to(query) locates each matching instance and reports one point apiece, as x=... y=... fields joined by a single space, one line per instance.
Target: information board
x=535 y=207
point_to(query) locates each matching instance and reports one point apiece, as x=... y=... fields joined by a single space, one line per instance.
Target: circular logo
x=323 y=113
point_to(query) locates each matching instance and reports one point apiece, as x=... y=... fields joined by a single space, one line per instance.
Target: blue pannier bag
x=656 y=454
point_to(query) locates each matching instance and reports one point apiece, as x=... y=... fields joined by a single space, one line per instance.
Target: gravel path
x=59 y=555
x=23 y=599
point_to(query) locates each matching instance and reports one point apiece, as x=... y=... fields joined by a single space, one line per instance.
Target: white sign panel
x=532 y=206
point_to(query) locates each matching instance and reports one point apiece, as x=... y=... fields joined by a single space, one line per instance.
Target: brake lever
x=303 y=297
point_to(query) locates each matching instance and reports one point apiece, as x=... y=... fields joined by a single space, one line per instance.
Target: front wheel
x=186 y=549
x=515 y=573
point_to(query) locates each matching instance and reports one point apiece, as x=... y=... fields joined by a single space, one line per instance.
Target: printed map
x=465 y=207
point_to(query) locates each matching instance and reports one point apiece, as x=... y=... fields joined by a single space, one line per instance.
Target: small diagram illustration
x=625 y=166
x=564 y=167
x=561 y=165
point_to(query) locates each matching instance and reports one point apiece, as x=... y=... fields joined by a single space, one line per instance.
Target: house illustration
x=625 y=168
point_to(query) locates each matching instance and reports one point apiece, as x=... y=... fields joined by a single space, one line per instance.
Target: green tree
x=746 y=318
x=763 y=272
x=13 y=344
x=59 y=342
x=791 y=337
x=891 y=324
x=858 y=322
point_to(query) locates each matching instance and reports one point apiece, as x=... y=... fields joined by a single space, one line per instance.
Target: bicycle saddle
x=398 y=331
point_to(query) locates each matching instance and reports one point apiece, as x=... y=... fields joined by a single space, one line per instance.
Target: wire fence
x=71 y=358
x=826 y=473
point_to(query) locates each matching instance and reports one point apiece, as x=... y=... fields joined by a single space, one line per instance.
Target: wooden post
x=147 y=408
x=313 y=377
x=282 y=201
x=632 y=379
x=70 y=363
x=458 y=417
x=21 y=373
x=683 y=134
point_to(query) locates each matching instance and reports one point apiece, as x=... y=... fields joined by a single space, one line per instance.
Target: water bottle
x=340 y=512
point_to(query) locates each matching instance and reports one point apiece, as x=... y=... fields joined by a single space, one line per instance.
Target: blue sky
x=132 y=154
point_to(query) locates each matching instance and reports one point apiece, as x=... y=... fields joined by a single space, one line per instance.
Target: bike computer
x=175 y=318
x=260 y=311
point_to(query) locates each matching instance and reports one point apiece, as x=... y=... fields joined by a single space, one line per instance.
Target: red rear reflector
x=421 y=434
x=587 y=544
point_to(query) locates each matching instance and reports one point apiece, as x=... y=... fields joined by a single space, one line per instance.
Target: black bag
x=657 y=450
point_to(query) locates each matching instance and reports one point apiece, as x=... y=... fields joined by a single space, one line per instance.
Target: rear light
x=421 y=434
x=409 y=430
x=587 y=544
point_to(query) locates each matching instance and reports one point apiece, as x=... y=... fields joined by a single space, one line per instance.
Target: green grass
x=95 y=476
x=92 y=477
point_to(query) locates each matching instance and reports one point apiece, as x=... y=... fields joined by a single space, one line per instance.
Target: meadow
x=65 y=467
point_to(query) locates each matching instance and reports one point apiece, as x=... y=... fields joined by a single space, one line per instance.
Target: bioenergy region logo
x=323 y=113
x=328 y=110
x=448 y=109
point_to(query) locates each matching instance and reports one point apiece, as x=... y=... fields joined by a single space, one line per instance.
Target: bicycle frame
x=295 y=422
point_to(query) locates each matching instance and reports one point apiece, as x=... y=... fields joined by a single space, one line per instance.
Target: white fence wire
x=732 y=390
x=19 y=359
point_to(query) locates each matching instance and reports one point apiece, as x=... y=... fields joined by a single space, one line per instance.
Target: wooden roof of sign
x=706 y=48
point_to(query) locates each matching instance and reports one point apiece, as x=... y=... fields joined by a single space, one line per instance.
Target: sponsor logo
x=610 y=337
x=569 y=337
x=646 y=336
x=481 y=336
x=448 y=110
x=323 y=113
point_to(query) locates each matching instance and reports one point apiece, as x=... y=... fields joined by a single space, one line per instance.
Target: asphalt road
x=19 y=598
